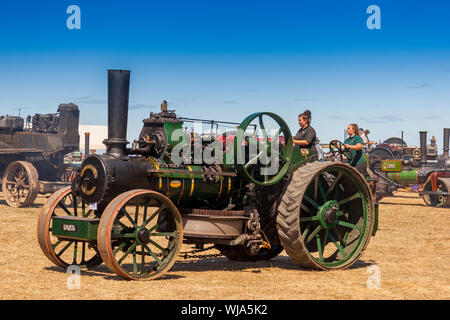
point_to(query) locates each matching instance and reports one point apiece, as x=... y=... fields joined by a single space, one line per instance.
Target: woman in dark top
x=306 y=136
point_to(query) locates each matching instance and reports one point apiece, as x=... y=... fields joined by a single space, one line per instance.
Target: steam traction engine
x=415 y=166
x=132 y=208
x=32 y=153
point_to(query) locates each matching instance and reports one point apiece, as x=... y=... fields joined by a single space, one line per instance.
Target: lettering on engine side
x=69 y=227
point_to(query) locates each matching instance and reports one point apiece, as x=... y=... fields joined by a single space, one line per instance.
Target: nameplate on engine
x=69 y=227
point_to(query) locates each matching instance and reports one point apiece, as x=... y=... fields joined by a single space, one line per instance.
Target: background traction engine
x=132 y=208
x=32 y=153
x=415 y=166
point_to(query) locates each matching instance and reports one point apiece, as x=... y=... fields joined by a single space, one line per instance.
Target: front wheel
x=140 y=235
x=326 y=216
x=65 y=252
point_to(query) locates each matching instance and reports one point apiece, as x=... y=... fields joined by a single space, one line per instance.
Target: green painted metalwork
x=391 y=165
x=375 y=226
x=75 y=228
x=244 y=167
x=325 y=219
x=170 y=127
x=408 y=177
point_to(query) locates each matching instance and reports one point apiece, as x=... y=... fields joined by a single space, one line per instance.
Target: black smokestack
x=446 y=141
x=423 y=144
x=118 y=93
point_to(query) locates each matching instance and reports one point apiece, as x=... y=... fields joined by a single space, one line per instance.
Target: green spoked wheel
x=66 y=252
x=326 y=216
x=140 y=235
x=266 y=160
x=440 y=198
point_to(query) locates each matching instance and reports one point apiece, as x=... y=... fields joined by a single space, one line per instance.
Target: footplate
x=77 y=228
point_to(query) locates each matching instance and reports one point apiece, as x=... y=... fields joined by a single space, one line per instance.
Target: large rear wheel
x=326 y=216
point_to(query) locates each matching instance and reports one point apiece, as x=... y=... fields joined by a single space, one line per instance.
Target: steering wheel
x=274 y=149
x=338 y=150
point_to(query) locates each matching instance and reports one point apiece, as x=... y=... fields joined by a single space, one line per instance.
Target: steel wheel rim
x=65 y=252
x=332 y=241
x=140 y=244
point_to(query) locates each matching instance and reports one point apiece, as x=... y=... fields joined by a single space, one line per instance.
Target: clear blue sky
x=226 y=59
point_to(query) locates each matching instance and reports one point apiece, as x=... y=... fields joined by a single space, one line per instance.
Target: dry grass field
x=411 y=252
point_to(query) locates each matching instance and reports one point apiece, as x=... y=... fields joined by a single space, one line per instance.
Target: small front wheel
x=65 y=252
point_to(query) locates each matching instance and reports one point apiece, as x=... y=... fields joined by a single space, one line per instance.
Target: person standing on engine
x=306 y=136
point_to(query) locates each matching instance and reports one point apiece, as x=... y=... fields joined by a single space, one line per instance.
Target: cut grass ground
x=411 y=250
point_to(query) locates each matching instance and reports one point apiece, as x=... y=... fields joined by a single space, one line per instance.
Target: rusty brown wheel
x=20 y=184
x=65 y=252
x=441 y=199
x=140 y=235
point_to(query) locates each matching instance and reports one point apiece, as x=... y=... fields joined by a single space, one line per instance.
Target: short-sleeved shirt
x=364 y=138
x=308 y=134
x=357 y=154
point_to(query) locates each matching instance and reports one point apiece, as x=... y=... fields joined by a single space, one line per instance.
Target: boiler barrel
x=408 y=177
x=186 y=186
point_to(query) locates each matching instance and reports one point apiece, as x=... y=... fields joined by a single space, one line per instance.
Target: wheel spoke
x=116 y=250
x=333 y=185
x=311 y=201
x=263 y=129
x=65 y=248
x=304 y=234
x=56 y=243
x=75 y=252
x=128 y=217
x=254 y=160
x=325 y=239
x=341 y=250
x=338 y=236
x=163 y=234
x=305 y=208
x=64 y=208
x=142 y=260
x=319 y=247
x=158 y=246
x=130 y=249
x=144 y=218
x=348 y=199
x=134 y=263
x=153 y=255
x=313 y=234
x=316 y=189
x=163 y=206
x=322 y=192
x=307 y=219
x=136 y=213
x=348 y=225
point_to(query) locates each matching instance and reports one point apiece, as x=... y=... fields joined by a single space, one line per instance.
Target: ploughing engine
x=250 y=195
x=32 y=153
x=415 y=166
